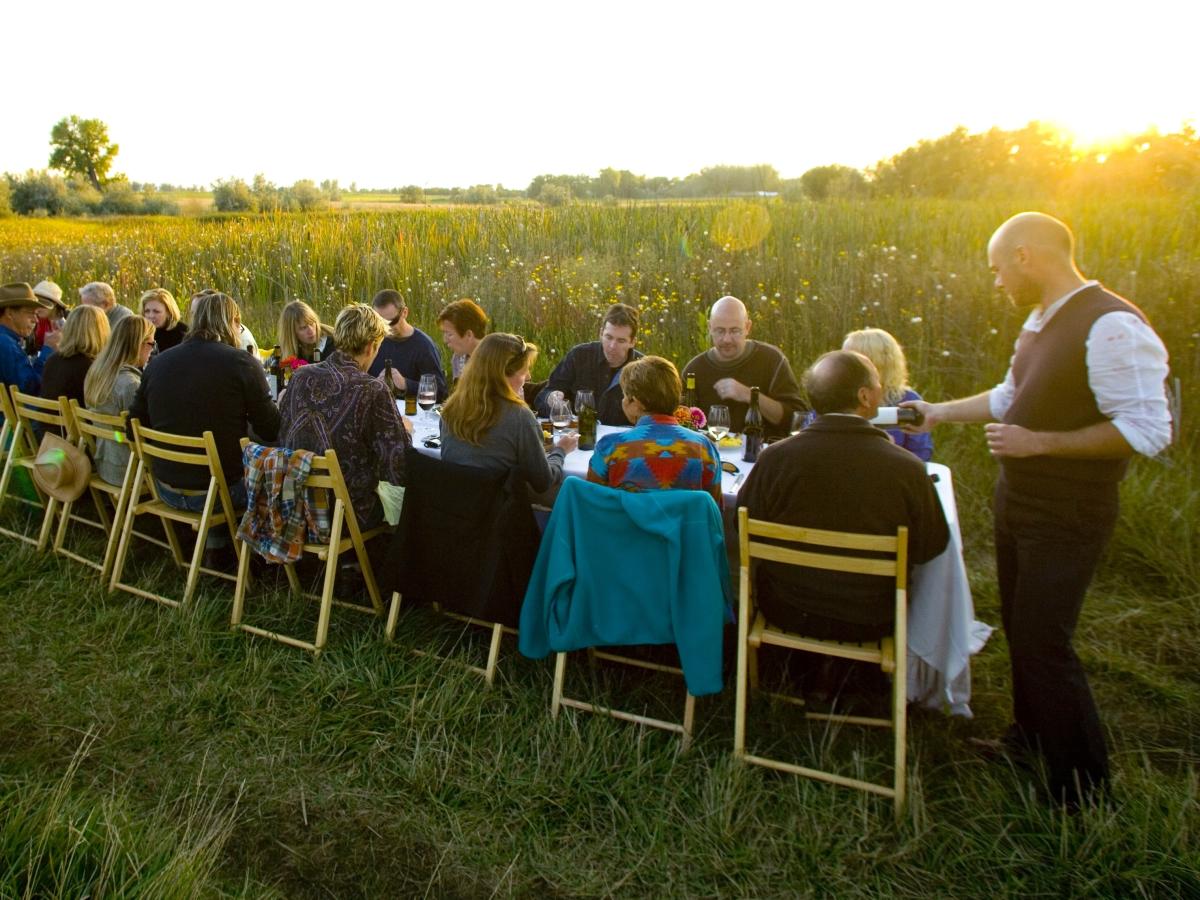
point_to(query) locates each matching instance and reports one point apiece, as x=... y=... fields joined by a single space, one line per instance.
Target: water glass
x=718 y=422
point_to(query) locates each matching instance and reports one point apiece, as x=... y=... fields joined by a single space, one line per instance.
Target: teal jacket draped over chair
x=617 y=568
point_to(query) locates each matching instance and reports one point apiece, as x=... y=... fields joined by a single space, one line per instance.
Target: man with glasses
x=725 y=373
x=411 y=351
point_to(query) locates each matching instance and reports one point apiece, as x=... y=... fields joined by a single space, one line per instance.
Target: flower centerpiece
x=691 y=417
x=293 y=362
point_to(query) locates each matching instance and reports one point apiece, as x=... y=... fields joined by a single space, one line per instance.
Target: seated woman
x=302 y=335
x=885 y=352
x=160 y=308
x=111 y=384
x=48 y=319
x=657 y=453
x=463 y=324
x=486 y=423
x=335 y=405
x=83 y=337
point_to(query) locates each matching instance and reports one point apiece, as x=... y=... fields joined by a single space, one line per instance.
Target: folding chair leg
x=118 y=568
x=331 y=566
x=198 y=553
x=389 y=630
x=493 y=654
x=364 y=563
x=689 y=719
x=900 y=736
x=560 y=671
x=124 y=501
x=293 y=580
x=239 y=591
x=43 y=538
x=60 y=533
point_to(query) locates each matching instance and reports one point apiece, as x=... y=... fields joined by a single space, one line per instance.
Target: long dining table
x=942 y=630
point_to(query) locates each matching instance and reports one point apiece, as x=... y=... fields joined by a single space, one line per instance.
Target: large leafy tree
x=81 y=147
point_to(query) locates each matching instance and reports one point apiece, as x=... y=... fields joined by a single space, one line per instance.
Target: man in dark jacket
x=596 y=366
x=841 y=474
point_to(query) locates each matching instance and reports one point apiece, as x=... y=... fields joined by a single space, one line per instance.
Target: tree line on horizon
x=1034 y=161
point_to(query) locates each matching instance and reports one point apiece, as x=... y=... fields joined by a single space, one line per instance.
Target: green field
x=145 y=751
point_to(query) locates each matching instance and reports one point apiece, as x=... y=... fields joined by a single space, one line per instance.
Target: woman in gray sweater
x=111 y=383
x=486 y=424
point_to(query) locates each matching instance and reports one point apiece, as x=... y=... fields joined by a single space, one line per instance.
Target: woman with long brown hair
x=486 y=424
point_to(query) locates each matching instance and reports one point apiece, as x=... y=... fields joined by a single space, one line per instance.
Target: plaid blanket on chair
x=281 y=514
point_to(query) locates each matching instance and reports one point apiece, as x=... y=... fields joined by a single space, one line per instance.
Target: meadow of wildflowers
x=808 y=272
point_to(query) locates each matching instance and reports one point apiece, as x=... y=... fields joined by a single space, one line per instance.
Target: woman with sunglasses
x=486 y=423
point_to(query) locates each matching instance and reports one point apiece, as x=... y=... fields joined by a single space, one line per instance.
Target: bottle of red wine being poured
x=752 y=430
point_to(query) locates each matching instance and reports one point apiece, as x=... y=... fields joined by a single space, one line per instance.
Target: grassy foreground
x=148 y=752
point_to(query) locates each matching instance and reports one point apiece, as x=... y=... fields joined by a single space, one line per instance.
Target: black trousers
x=1047 y=549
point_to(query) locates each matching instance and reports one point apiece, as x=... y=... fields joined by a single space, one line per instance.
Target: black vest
x=1052 y=394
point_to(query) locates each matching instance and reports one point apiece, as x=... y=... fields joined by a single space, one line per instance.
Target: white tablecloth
x=942 y=631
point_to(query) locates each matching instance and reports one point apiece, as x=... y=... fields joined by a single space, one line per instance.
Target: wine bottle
x=275 y=369
x=898 y=415
x=390 y=378
x=752 y=430
x=689 y=391
x=587 y=420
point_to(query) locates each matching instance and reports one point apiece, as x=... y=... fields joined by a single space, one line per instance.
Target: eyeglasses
x=728 y=332
x=523 y=349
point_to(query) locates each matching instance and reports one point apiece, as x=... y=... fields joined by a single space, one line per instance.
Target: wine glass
x=427 y=393
x=798 y=421
x=560 y=415
x=718 y=422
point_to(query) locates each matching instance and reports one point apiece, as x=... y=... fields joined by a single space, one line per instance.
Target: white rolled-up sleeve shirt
x=1127 y=372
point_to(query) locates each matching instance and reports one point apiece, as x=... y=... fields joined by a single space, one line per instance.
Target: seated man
x=657 y=453
x=596 y=367
x=411 y=351
x=841 y=474
x=725 y=374
x=18 y=319
x=101 y=294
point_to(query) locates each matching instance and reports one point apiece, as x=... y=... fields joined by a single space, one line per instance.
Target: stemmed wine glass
x=427 y=393
x=560 y=415
x=798 y=421
x=718 y=422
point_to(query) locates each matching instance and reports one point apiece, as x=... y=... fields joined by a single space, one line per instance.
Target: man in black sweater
x=841 y=474
x=596 y=366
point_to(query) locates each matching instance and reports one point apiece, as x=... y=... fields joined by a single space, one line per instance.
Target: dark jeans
x=193 y=502
x=1046 y=551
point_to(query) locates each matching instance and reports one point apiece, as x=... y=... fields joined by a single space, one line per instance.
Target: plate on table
x=730 y=440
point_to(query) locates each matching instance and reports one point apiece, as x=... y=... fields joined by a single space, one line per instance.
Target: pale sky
x=460 y=93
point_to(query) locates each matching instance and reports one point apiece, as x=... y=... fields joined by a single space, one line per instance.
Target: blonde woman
x=83 y=337
x=160 y=309
x=336 y=405
x=302 y=335
x=486 y=423
x=111 y=384
x=886 y=353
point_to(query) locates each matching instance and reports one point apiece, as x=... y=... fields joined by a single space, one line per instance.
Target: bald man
x=1084 y=392
x=725 y=373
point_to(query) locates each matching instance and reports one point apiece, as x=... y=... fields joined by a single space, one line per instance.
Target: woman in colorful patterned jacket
x=657 y=453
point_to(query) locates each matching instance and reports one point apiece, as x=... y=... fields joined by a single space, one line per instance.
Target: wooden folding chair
x=839 y=552
x=89 y=428
x=324 y=482
x=27 y=409
x=217 y=510
x=500 y=550
x=9 y=444
x=673 y=571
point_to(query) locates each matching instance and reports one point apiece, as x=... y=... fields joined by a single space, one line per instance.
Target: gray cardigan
x=515 y=441
x=111 y=457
